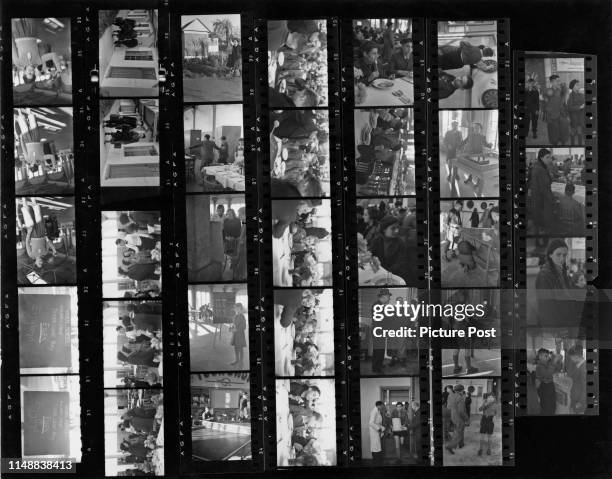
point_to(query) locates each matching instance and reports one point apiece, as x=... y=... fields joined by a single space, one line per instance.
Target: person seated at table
x=452 y=57
x=368 y=64
x=306 y=359
x=475 y=142
x=449 y=84
x=571 y=212
x=38 y=246
x=139 y=271
x=465 y=272
x=402 y=60
x=117 y=121
x=124 y=134
x=140 y=357
x=137 y=242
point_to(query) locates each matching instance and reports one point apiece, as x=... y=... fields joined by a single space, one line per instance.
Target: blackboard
x=44 y=330
x=46 y=427
x=223 y=307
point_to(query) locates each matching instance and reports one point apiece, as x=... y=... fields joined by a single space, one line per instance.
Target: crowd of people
x=456 y=415
x=402 y=423
x=295 y=222
x=551 y=213
x=242 y=413
x=139 y=251
x=299 y=153
x=139 y=434
x=387 y=238
x=558 y=105
x=297 y=63
x=470 y=253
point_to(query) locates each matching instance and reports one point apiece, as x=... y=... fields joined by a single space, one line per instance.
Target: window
x=139 y=151
x=133 y=72
x=141 y=55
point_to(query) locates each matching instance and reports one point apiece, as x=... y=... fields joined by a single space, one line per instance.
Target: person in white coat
x=376 y=431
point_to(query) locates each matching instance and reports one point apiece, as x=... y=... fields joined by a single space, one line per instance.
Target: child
x=489 y=411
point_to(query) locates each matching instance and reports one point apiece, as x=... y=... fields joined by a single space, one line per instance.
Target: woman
x=553 y=273
x=475 y=218
x=575 y=107
x=238 y=336
x=545 y=370
x=370 y=218
x=542 y=200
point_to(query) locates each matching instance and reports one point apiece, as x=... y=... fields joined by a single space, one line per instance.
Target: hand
x=276 y=123
x=373 y=76
x=357 y=73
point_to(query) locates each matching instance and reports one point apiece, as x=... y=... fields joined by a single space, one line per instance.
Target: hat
x=384 y=292
x=387 y=221
x=458 y=388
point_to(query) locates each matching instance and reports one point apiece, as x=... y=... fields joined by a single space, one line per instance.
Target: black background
x=544 y=447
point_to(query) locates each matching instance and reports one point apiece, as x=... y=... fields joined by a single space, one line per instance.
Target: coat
x=375 y=425
x=456 y=404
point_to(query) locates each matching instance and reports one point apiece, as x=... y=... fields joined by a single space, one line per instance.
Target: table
x=227 y=175
x=368 y=277
x=378 y=97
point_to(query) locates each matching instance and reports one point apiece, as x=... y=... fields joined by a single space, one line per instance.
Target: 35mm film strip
x=555 y=156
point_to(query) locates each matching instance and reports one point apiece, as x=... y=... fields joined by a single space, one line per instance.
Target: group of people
x=205 y=155
x=141 y=328
x=402 y=423
x=297 y=52
x=124 y=32
x=307 y=424
x=304 y=241
x=380 y=54
x=464 y=247
x=387 y=238
x=123 y=129
x=242 y=413
x=139 y=251
x=456 y=56
x=304 y=319
x=456 y=415
x=560 y=106
x=548 y=365
x=551 y=213
x=381 y=137
x=299 y=153
x=139 y=431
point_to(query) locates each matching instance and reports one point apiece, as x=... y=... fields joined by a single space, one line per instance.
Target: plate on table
x=383 y=83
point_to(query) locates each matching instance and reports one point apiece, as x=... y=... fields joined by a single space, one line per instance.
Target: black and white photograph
x=472 y=422
x=299 y=153
x=129 y=142
x=44 y=151
x=556 y=371
x=221 y=417
x=214 y=148
x=387 y=241
x=469 y=243
x=555 y=101
x=469 y=153
x=383 y=62
x=301 y=243
x=48 y=330
x=297 y=63
x=472 y=356
x=212 y=57
x=46 y=240
x=390 y=421
x=218 y=327
x=133 y=432
x=305 y=422
x=132 y=338
x=129 y=60
x=304 y=332
x=131 y=254
x=50 y=417
x=381 y=356
x=467 y=63
x=556 y=191
x=556 y=281
x=42 y=62
x=384 y=151
x=216 y=238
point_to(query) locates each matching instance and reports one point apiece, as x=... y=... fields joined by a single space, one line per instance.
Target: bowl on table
x=383 y=83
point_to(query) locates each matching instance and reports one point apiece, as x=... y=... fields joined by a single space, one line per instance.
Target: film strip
x=470 y=237
x=555 y=157
x=384 y=153
x=302 y=266
x=217 y=242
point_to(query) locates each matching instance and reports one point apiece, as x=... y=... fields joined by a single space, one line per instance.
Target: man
x=456 y=404
x=571 y=212
x=532 y=107
x=578 y=375
x=137 y=242
x=452 y=57
x=466 y=272
x=449 y=84
x=224 y=151
x=377 y=429
x=415 y=428
x=207 y=152
x=302 y=394
x=388 y=41
x=368 y=62
x=378 y=344
x=554 y=109
x=220 y=213
x=37 y=244
x=452 y=141
x=402 y=60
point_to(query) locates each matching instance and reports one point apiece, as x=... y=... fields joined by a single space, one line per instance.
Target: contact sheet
x=239 y=240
